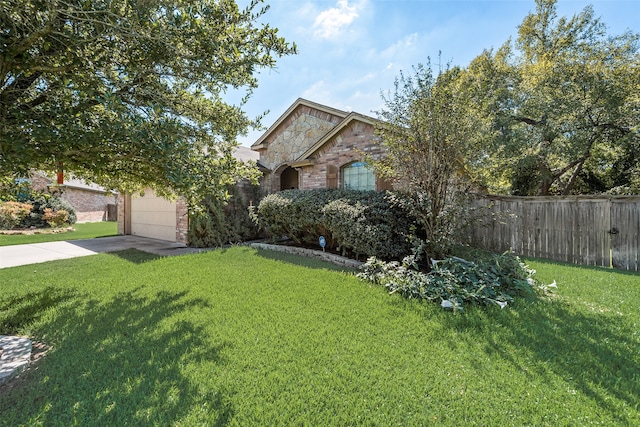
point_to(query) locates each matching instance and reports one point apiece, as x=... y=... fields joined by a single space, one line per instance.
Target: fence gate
x=625 y=233
x=586 y=230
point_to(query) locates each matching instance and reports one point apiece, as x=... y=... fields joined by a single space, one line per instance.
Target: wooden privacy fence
x=586 y=230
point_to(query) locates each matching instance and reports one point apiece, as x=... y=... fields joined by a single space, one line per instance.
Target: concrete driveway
x=11 y=256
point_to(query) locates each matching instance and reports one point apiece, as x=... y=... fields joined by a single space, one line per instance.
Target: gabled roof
x=245 y=154
x=300 y=101
x=353 y=116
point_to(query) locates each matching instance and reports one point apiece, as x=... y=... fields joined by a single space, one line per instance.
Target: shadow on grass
x=25 y=309
x=300 y=260
x=135 y=256
x=594 y=353
x=120 y=361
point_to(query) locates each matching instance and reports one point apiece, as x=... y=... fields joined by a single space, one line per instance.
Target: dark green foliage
x=354 y=222
x=47 y=201
x=221 y=223
x=371 y=227
x=453 y=282
x=132 y=94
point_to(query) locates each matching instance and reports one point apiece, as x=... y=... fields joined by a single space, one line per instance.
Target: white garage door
x=153 y=216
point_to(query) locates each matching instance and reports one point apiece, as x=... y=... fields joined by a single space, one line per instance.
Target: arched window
x=357 y=176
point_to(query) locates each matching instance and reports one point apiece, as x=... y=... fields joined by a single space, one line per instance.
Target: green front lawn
x=86 y=230
x=246 y=337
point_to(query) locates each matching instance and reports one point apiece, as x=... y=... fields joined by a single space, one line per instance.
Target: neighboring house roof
x=245 y=154
x=76 y=183
x=81 y=184
x=300 y=101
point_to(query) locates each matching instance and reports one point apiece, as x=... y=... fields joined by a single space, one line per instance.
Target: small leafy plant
x=55 y=219
x=454 y=282
x=13 y=213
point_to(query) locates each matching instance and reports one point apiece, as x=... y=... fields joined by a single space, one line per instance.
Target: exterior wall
x=39 y=182
x=89 y=205
x=355 y=141
x=303 y=128
x=122 y=207
x=182 y=221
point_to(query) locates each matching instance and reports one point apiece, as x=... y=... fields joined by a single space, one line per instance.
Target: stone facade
x=296 y=134
x=309 y=145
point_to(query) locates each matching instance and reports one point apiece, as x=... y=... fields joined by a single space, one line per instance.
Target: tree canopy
x=565 y=107
x=130 y=93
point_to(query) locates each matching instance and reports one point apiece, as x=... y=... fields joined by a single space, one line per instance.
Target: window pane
x=356 y=176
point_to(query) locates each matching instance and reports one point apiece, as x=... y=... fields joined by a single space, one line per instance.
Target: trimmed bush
x=353 y=222
x=13 y=213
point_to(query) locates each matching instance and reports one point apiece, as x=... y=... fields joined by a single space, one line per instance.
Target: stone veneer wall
x=303 y=128
x=345 y=147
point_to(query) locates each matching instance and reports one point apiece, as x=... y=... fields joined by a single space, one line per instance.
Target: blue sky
x=351 y=50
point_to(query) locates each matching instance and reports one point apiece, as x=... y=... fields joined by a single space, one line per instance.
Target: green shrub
x=355 y=222
x=453 y=282
x=46 y=201
x=13 y=213
x=296 y=214
x=373 y=227
x=55 y=219
x=207 y=229
x=218 y=223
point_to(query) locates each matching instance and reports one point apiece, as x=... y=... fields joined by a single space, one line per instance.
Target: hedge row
x=360 y=223
x=41 y=211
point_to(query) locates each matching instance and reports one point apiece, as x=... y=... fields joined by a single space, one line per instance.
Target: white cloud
x=401 y=47
x=332 y=22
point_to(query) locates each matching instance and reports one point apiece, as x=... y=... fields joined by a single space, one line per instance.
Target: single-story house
x=309 y=146
x=91 y=202
x=315 y=146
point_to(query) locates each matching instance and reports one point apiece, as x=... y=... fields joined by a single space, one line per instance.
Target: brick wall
x=121 y=214
x=89 y=205
x=350 y=145
x=182 y=221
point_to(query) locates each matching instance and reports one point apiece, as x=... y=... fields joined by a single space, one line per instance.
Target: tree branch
x=527 y=120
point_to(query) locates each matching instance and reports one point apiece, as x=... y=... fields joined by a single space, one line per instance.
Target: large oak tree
x=564 y=101
x=130 y=93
